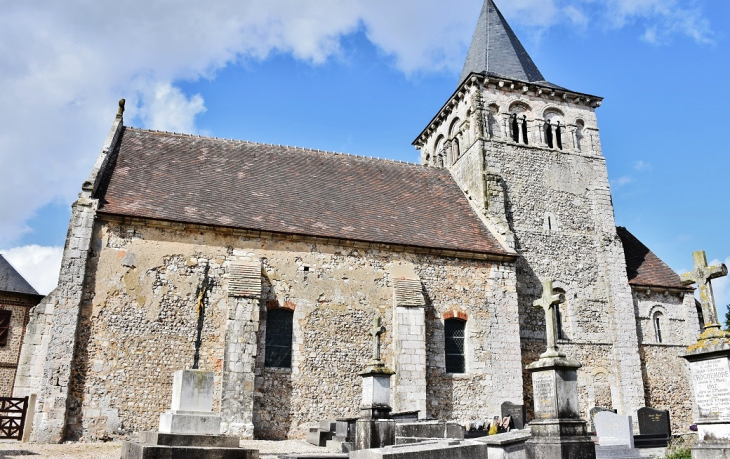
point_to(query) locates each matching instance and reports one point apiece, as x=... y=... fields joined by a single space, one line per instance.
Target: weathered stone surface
x=166 y=439
x=374 y=433
x=132 y=450
x=445 y=449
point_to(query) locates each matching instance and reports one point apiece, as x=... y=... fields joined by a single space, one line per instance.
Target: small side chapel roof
x=643 y=267
x=496 y=51
x=12 y=281
x=190 y=179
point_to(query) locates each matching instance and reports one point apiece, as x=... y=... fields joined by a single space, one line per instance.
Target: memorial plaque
x=544 y=395
x=516 y=413
x=367 y=391
x=654 y=422
x=711 y=383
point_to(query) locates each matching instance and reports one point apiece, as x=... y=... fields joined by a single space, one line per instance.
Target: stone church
x=267 y=264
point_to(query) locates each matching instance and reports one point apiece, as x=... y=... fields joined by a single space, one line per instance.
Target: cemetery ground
x=267 y=450
x=111 y=450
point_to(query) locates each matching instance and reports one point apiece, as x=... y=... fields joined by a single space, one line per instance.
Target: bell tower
x=527 y=155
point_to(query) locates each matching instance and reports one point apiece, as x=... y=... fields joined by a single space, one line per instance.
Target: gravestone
x=375 y=428
x=709 y=363
x=557 y=430
x=654 y=428
x=189 y=428
x=592 y=414
x=516 y=413
x=615 y=436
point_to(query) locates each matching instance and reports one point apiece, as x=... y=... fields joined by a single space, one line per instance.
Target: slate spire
x=12 y=281
x=496 y=50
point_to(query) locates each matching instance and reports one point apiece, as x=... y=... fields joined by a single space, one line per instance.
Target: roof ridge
x=294 y=147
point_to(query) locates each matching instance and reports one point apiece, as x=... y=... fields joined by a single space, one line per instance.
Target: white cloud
x=64 y=65
x=38 y=265
x=642 y=166
x=622 y=181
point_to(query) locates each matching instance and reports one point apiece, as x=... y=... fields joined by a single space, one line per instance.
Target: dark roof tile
x=12 y=281
x=290 y=190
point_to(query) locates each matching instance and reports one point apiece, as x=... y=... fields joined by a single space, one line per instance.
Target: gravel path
x=111 y=450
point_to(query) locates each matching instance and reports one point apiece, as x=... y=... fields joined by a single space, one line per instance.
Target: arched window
x=438 y=153
x=554 y=128
x=524 y=129
x=492 y=123
x=278 y=338
x=579 y=126
x=454 y=345
x=658 y=319
x=515 y=128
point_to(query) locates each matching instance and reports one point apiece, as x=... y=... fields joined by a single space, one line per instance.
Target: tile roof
x=237 y=184
x=495 y=50
x=12 y=281
x=643 y=267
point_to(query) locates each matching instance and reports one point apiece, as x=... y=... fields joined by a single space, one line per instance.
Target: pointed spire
x=496 y=50
x=12 y=281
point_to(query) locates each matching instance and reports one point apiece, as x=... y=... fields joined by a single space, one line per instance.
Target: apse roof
x=643 y=267
x=12 y=281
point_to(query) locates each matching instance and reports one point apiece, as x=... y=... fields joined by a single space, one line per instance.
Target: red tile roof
x=201 y=180
x=643 y=267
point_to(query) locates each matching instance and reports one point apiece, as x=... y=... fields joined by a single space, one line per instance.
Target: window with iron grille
x=454 y=345
x=4 y=326
x=278 y=338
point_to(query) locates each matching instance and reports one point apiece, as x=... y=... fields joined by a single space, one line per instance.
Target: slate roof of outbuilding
x=495 y=50
x=12 y=281
x=643 y=267
x=261 y=187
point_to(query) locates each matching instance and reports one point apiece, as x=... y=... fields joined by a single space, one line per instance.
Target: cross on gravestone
x=702 y=276
x=377 y=330
x=547 y=301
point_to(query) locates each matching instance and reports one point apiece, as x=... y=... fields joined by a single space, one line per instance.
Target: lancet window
x=454 y=345
x=279 y=338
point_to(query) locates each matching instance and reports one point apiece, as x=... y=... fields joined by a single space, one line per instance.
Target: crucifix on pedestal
x=548 y=301
x=702 y=276
x=377 y=330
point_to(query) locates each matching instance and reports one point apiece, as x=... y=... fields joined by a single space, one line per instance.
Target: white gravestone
x=192 y=402
x=614 y=429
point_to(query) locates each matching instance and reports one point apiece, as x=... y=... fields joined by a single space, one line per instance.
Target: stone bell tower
x=527 y=155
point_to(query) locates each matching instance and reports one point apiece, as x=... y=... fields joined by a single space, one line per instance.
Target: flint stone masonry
x=140 y=326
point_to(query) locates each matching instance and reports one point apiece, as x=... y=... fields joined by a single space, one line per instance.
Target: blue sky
x=363 y=77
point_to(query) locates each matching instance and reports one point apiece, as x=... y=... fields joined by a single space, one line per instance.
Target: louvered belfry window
x=454 y=345
x=278 y=338
x=4 y=326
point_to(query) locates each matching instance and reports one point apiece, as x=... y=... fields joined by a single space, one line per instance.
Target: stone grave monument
x=655 y=430
x=615 y=436
x=709 y=361
x=592 y=414
x=375 y=428
x=189 y=428
x=516 y=413
x=557 y=430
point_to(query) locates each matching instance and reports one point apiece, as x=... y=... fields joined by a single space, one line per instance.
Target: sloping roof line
x=643 y=267
x=495 y=49
x=290 y=190
x=12 y=281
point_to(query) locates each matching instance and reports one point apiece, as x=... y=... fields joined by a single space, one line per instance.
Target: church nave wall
x=139 y=324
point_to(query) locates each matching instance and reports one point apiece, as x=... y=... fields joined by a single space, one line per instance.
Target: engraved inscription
x=711 y=380
x=543 y=386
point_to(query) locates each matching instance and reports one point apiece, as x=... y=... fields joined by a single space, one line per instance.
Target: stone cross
x=548 y=301
x=377 y=330
x=702 y=275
